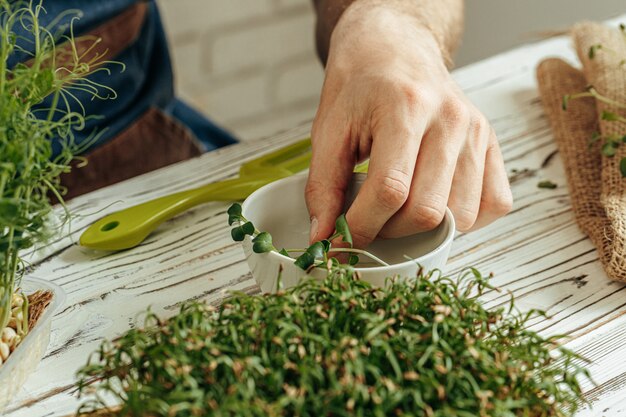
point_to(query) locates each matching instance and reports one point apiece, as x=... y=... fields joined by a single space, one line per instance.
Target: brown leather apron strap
x=151 y=142
x=155 y=140
x=109 y=39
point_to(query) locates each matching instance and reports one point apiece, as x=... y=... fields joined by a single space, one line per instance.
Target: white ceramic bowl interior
x=280 y=209
x=23 y=361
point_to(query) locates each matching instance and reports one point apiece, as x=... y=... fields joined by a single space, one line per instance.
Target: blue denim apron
x=146 y=82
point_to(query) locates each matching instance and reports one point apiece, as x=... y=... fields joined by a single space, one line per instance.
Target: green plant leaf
x=608 y=149
x=24 y=243
x=316 y=250
x=234 y=214
x=547 y=184
x=239 y=233
x=263 y=237
x=341 y=226
x=248 y=228
x=8 y=210
x=326 y=244
x=609 y=116
x=593 y=51
x=235 y=210
x=305 y=261
x=284 y=252
x=262 y=243
x=565 y=102
x=622 y=167
x=353 y=260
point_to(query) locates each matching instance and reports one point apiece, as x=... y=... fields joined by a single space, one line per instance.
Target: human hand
x=388 y=95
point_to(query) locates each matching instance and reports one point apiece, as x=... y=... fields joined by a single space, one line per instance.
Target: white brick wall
x=249 y=64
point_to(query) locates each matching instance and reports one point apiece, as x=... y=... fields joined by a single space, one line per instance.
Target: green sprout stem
x=348 y=250
x=422 y=346
x=314 y=256
x=610 y=142
x=28 y=171
x=339 y=347
x=592 y=92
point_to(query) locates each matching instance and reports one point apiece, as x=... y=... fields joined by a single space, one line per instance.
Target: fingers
x=465 y=196
x=434 y=173
x=411 y=179
x=330 y=172
x=472 y=181
x=496 y=199
x=386 y=189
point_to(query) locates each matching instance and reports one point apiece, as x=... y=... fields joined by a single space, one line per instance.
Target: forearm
x=442 y=18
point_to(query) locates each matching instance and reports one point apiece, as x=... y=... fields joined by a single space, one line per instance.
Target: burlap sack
x=597 y=189
x=572 y=130
x=608 y=75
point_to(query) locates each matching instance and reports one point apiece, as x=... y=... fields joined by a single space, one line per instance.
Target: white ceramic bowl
x=280 y=209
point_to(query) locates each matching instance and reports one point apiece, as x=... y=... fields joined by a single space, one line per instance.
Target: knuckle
x=322 y=197
x=455 y=111
x=478 y=125
x=428 y=217
x=392 y=189
x=413 y=98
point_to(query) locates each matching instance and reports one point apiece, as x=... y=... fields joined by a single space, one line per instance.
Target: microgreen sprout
x=317 y=254
x=547 y=184
x=593 y=50
x=339 y=347
x=610 y=143
x=29 y=170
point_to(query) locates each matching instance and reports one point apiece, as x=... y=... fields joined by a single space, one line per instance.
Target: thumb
x=332 y=164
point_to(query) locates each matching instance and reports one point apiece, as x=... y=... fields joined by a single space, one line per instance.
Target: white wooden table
x=537 y=251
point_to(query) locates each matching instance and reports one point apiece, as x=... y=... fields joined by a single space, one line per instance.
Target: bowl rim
x=447 y=241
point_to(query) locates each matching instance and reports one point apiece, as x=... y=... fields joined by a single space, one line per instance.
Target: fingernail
x=314 y=224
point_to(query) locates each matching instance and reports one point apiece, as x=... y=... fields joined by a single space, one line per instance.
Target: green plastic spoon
x=127 y=228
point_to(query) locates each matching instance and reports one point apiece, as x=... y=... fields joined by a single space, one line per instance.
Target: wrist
x=375 y=31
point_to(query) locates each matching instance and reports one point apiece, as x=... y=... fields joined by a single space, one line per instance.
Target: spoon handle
x=129 y=227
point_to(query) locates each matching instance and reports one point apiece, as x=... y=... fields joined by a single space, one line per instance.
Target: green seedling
x=610 y=145
x=316 y=255
x=339 y=347
x=29 y=173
